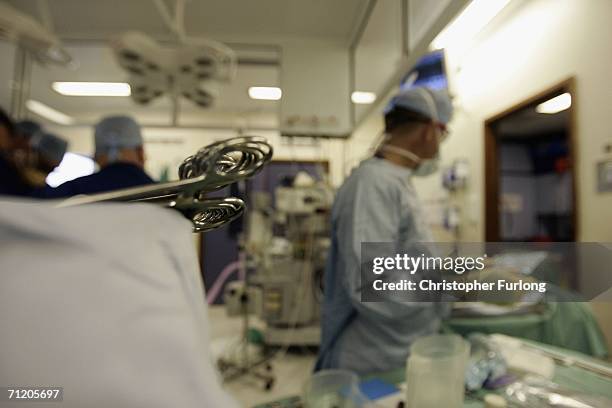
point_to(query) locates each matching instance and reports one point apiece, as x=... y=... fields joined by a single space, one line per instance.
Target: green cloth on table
x=569 y=325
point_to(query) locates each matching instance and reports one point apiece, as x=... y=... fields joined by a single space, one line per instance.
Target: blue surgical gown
x=376 y=203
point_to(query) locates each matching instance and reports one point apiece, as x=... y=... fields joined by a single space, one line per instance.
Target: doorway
x=530 y=177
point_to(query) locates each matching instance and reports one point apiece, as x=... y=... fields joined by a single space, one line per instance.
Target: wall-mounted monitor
x=429 y=71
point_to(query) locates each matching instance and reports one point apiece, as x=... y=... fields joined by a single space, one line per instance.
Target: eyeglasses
x=442 y=131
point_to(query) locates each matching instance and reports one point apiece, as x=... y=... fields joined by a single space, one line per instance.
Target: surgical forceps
x=211 y=168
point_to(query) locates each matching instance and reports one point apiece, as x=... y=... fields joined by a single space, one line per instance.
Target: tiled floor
x=290 y=370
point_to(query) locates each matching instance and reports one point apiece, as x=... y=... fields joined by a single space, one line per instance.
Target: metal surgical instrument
x=211 y=168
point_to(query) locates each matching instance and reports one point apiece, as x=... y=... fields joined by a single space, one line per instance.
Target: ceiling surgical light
x=268 y=93
x=469 y=23
x=92 y=88
x=363 y=98
x=556 y=104
x=28 y=34
x=48 y=112
x=194 y=69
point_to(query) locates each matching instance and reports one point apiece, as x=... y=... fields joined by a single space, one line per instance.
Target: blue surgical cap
x=433 y=104
x=28 y=128
x=50 y=146
x=114 y=133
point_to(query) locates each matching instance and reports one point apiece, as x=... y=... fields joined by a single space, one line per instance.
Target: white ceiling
x=254 y=28
x=245 y=21
x=380 y=49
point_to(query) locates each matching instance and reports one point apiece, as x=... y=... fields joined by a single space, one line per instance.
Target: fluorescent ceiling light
x=48 y=112
x=269 y=93
x=92 y=88
x=361 y=97
x=556 y=104
x=469 y=23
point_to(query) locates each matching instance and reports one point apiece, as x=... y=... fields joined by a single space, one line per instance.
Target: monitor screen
x=429 y=71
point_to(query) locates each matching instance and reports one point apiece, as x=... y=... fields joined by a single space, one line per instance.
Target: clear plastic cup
x=435 y=372
x=334 y=389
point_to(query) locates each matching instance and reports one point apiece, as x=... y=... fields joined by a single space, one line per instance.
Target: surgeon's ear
x=101 y=160
x=425 y=133
x=141 y=155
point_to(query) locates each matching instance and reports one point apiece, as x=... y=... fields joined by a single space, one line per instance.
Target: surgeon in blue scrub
x=120 y=155
x=378 y=203
x=45 y=153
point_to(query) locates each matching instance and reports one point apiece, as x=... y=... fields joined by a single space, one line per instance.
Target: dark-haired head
x=7 y=130
x=399 y=116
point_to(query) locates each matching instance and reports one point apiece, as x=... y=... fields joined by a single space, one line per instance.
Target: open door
x=530 y=177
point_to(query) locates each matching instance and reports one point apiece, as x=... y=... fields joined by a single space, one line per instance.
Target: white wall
x=314 y=79
x=530 y=46
x=7 y=68
x=534 y=45
x=379 y=52
x=362 y=141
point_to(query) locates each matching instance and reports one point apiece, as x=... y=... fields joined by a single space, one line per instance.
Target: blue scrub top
x=112 y=177
x=376 y=203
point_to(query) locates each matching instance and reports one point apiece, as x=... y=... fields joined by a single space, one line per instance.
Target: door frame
x=491 y=162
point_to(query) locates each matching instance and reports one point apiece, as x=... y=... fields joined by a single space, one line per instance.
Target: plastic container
x=334 y=388
x=435 y=372
x=486 y=365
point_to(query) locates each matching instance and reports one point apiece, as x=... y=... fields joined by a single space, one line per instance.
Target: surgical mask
x=424 y=167
x=428 y=166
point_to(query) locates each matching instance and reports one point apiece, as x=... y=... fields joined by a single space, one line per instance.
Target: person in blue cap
x=378 y=203
x=45 y=152
x=50 y=150
x=25 y=129
x=119 y=153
